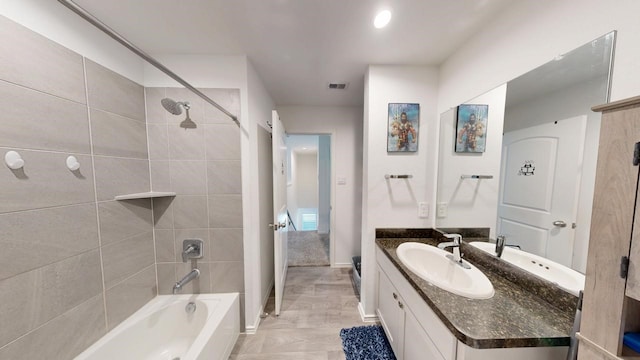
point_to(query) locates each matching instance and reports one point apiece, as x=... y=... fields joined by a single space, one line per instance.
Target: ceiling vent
x=338 y=86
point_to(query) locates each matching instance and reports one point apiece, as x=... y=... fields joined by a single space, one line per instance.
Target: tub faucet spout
x=194 y=274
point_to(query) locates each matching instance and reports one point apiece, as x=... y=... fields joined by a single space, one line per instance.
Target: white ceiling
x=298 y=46
x=306 y=144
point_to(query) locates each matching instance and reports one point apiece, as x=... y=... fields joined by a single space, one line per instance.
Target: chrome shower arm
x=126 y=43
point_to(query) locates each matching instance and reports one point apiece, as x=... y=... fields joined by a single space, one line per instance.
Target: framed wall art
x=403 y=126
x=471 y=128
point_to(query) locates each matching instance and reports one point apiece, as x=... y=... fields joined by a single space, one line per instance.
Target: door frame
x=332 y=192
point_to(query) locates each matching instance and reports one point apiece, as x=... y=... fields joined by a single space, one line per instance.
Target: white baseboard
x=365 y=317
x=252 y=329
x=341 y=265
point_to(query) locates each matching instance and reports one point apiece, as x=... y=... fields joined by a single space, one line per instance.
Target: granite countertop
x=524 y=312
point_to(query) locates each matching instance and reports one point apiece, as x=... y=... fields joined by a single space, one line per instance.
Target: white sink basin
x=431 y=264
x=566 y=278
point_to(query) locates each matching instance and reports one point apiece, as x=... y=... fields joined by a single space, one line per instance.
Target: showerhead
x=173 y=106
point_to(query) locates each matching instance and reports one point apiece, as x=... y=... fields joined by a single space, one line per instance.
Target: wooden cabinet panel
x=633 y=280
x=604 y=306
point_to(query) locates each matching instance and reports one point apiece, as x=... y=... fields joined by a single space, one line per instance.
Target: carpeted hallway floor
x=308 y=248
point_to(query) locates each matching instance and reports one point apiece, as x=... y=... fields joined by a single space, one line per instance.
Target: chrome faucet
x=501 y=243
x=500 y=240
x=455 y=245
x=194 y=274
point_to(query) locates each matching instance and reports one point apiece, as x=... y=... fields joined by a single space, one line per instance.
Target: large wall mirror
x=534 y=181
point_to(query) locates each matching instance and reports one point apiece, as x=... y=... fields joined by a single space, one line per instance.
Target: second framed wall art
x=471 y=128
x=403 y=126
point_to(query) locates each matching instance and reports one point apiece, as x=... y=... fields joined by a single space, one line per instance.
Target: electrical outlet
x=441 y=210
x=423 y=210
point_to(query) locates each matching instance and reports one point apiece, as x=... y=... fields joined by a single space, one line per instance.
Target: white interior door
x=279 y=207
x=540 y=180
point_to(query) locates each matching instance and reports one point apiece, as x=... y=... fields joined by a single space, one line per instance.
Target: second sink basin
x=566 y=278
x=432 y=265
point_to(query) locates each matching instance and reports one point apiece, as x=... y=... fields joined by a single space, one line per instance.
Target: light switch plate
x=441 y=210
x=423 y=209
x=341 y=180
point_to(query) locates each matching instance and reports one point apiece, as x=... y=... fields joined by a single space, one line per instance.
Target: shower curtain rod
x=126 y=43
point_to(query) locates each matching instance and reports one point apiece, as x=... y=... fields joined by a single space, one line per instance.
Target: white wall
x=394 y=203
x=344 y=124
x=260 y=107
x=292 y=185
x=255 y=110
x=265 y=179
x=499 y=54
x=307 y=180
x=530 y=33
x=471 y=202
x=324 y=183
x=54 y=21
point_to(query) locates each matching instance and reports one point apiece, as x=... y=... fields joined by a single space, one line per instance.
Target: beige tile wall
x=204 y=170
x=73 y=262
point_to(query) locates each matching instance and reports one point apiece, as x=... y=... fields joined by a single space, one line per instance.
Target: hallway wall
x=345 y=126
x=324 y=183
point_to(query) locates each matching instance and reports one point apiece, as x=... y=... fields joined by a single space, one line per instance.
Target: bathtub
x=163 y=330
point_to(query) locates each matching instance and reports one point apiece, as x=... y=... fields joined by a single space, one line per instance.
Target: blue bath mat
x=366 y=343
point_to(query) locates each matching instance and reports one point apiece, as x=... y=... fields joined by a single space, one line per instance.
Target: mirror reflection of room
x=543 y=169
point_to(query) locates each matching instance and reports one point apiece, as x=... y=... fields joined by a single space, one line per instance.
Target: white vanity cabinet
x=417 y=333
x=391 y=313
x=399 y=308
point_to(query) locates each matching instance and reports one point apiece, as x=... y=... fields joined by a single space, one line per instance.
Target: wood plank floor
x=318 y=302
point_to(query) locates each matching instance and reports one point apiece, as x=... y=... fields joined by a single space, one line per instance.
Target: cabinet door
x=633 y=278
x=417 y=344
x=390 y=314
x=611 y=229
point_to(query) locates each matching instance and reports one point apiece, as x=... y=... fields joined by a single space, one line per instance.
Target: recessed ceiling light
x=382 y=19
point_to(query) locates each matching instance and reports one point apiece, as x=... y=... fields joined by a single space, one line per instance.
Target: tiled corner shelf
x=145 y=195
